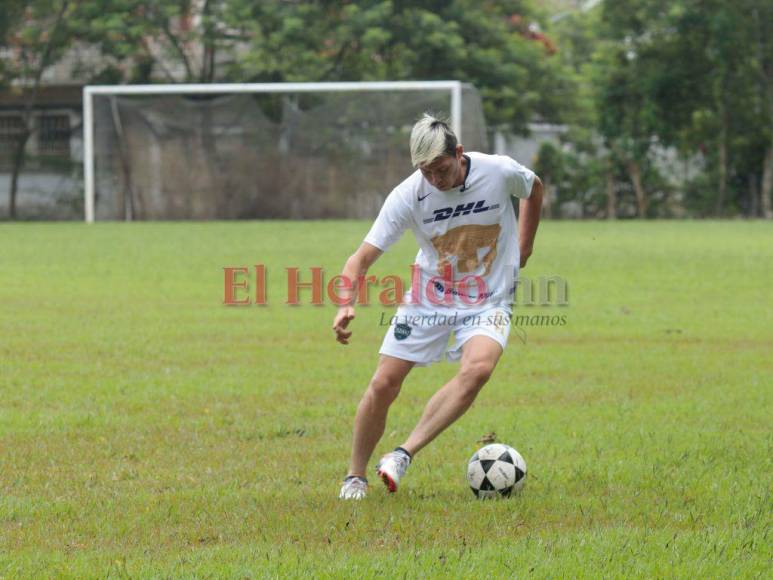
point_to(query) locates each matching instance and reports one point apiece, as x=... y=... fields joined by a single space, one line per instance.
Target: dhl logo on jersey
x=461 y=209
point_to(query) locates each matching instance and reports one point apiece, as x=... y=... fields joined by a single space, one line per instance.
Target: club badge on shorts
x=402 y=331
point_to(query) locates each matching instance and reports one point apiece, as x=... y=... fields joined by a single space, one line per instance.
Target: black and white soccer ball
x=496 y=470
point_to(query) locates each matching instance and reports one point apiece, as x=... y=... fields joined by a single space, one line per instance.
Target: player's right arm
x=355 y=269
x=393 y=219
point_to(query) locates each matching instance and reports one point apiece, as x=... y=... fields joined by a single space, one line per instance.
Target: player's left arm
x=528 y=219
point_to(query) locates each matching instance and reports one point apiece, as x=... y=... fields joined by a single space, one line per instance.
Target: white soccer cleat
x=354 y=487
x=392 y=467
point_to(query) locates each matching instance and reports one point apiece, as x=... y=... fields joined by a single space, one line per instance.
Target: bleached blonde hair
x=431 y=137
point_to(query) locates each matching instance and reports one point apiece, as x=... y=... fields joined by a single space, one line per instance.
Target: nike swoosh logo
x=430 y=193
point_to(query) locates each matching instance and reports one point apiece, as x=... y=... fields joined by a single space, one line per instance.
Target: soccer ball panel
x=493 y=451
x=475 y=474
x=518 y=460
x=501 y=475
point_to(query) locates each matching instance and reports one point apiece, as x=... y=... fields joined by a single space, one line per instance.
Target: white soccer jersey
x=472 y=228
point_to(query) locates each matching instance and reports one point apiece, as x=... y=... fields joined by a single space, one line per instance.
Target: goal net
x=295 y=150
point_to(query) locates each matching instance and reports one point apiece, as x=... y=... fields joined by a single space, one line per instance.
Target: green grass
x=148 y=430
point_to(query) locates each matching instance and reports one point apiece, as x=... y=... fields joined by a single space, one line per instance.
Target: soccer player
x=459 y=207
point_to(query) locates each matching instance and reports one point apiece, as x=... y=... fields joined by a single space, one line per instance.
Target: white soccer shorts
x=420 y=333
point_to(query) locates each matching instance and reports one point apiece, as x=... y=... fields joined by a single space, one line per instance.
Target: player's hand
x=525 y=256
x=341 y=321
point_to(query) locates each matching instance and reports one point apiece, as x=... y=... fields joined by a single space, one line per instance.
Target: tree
x=699 y=79
x=181 y=40
x=36 y=36
x=482 y=43
x=627 y=63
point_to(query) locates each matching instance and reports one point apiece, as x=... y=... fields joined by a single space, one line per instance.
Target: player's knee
x=475 y=374
x=385 y=386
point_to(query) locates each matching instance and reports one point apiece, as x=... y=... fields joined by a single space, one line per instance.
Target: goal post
x=231 y=151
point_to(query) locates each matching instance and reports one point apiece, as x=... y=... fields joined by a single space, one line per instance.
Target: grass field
x=148 y=430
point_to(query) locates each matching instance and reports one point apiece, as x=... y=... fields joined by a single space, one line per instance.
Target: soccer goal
x=251 y=151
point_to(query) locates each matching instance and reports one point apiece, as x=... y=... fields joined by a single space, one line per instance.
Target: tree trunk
x=547 y=201
x=722 y=186
x=611 y=193
x=208 y=53
x=754 y=196
x=766 y=96
x=634 y=170
x=18 y=164
x=767 y=184
x=30 y=101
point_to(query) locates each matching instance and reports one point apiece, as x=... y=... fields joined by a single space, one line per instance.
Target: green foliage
x=643 y=75
x=575 y=175
x=388 y=40
x=275 y=40
x=34 y=35
x=692 y=75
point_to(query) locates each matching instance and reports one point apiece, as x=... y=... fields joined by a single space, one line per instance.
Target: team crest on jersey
x=402 y=331
x=461 y=209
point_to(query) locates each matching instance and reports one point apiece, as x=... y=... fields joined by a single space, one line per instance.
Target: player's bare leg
x=480 y=355
x=370 y=419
